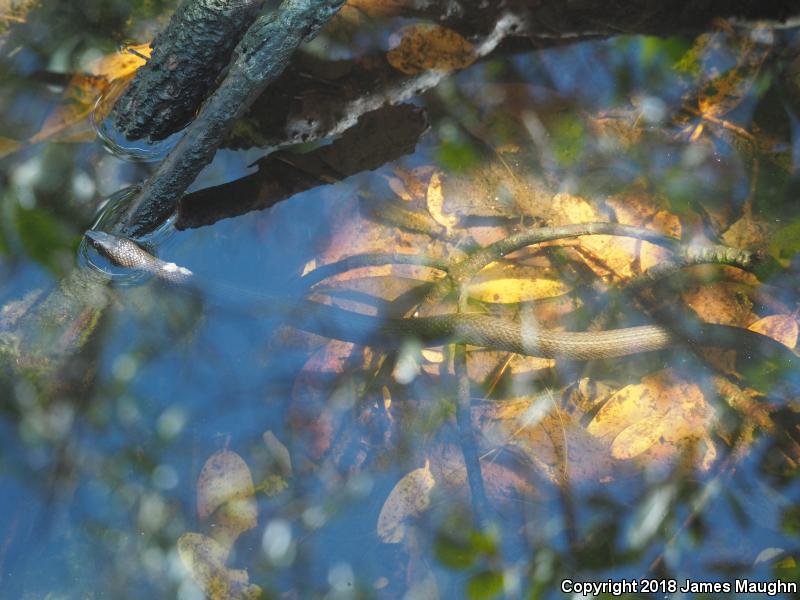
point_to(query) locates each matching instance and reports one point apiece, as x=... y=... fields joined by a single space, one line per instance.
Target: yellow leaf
x=410 y=497
x=433 y=356
x=425 y=47
x=435 y=199
x=642 y=210
x=637 y=438
x=122 y=63
x=510 y=284
x=657 y=418
x=604 y=253
x=781 y=328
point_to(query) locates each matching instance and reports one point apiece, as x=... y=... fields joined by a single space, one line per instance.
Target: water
x=647 y=468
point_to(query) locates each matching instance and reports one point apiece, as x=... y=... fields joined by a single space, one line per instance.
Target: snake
x=520 y=336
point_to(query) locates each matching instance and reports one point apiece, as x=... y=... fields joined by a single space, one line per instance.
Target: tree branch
x=262 y=55
x=187 y=60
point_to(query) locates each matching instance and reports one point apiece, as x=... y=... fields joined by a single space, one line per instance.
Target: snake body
x=473 y=329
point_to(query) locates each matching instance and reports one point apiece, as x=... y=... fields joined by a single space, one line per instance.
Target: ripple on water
x=120 y=146
x=109 y=214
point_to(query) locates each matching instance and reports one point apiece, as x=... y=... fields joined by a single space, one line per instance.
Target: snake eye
x=94 y=239
x=102 y=242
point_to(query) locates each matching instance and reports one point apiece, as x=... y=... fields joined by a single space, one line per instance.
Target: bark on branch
x=262 y=55
x=187 y=60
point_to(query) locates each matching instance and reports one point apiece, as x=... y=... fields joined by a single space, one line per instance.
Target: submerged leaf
x=660 y=416
x=225 y=490
x=604 y=253
x=8 y=146
x=424 y=47
x=781 y=328
x=205 y=559
x=409 y=497
x=436 y=204
x=106 y=77
x=511 y=284
x=279 y=453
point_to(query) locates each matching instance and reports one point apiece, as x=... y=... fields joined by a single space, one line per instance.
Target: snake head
x=103 y=242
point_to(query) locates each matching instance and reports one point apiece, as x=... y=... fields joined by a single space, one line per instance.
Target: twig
x=470 y=266
x=369 y=260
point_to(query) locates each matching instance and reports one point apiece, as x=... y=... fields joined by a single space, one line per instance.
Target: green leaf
x=485 y=585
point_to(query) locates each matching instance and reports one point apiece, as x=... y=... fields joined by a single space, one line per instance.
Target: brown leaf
x=425 y=47
x=481 y=363
x=15 y=11
x=501 y=482
x=355 y=234
x=721 y=303
x=749 y=232
x=723 y=92
x=205 y=560
x=556 y=444
x=781 y=328
x=435 y=198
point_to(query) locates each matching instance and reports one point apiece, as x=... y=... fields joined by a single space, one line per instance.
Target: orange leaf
x=107 y=77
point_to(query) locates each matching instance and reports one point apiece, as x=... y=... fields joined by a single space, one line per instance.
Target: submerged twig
x=472 y=463
x=369 y=260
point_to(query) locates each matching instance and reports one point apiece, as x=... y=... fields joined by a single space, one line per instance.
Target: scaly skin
x=473 y=329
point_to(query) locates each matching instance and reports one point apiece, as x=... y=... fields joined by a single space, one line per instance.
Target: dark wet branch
x=691 y=256
x=188 y=59
x=262 y=55
x=379 y=137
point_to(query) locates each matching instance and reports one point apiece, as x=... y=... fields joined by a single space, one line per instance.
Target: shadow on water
x=144 y=422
